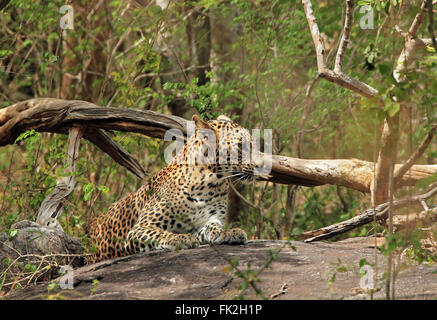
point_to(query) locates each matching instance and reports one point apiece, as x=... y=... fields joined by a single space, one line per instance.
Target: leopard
x=186 y=203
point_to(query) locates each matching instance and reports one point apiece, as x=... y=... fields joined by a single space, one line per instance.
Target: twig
x=7 y=181
x=243 y=197
x=239 y=272
x=4 y=4
x=305 y=114
x=251 y=281
x=25 y=278
x=281 y=291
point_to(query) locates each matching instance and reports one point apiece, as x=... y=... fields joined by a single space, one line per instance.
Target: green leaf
x=88 y=190
x=342 y=269
x=5 y=52
x=25 y=134
x=393 y=108
x=51 y=286
x=363 y=262
x=104 y=189
x=12 y=233
x=384 y=69
x=30 y=267
x=332 y=280
x=430 y=49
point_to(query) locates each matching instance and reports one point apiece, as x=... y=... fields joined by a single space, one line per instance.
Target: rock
x=205 y=273
x=32 y=240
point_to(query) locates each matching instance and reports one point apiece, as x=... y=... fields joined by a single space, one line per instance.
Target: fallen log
x=351 y=173
x=56 y=115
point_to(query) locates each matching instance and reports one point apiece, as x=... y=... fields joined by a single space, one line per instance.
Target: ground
x=204 y=273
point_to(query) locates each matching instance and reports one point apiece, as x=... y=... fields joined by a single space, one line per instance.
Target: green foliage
x=206 y=98
x=26 y=134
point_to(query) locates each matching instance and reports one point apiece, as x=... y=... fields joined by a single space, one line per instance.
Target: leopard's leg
x=214 y=233
x=145 y=238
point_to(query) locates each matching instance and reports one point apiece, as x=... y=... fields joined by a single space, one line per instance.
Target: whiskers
x=237 y=177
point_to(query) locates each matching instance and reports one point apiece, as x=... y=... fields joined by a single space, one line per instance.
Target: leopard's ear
x=223 y=118
x=200 y=123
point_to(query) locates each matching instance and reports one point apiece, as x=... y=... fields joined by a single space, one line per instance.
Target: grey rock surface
x=204 y=273
x=32 y=238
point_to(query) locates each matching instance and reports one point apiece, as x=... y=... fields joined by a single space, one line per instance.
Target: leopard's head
x=229 y=147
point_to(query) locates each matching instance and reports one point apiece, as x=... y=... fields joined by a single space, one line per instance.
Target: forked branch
x=337 y=75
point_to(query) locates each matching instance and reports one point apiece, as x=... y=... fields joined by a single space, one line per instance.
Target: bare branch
x=345 y=36
x=410 y=221
x=3 y=4
x=350 y=173
x=337 y=76
x=415 y=156
x=55 y=115
x=349 y=83
x=305 y=114
x=115 y=151
x=411 y=43
x=250 y=204
x=318 y=42
x=418 y=20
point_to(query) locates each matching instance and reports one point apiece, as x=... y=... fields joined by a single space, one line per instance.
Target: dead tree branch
x=411 y=43
x=412 y=220
x=51 y=207
x=338 y=68
x=56 y=115
x=389 y=138
x=379 y=213
x=350 y=173
x=337 y=76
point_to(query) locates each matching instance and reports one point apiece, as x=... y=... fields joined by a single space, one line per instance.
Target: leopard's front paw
x=231 y=236
x=235 y=236
x=182 y=241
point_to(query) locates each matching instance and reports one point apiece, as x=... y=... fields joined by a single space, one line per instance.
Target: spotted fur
x=184 y=205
